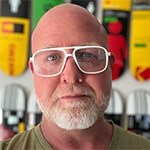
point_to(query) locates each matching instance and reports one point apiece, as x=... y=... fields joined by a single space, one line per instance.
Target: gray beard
x=76 y=115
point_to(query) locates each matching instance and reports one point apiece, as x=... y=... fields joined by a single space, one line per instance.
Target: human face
x=91 y=58
x=73 y=99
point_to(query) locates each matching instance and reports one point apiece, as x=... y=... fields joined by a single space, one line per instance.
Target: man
x=72 y=79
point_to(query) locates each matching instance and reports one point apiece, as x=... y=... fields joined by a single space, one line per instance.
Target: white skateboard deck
x=115 y=110
x=12 y=106
x=34 y=114
x=138 y=112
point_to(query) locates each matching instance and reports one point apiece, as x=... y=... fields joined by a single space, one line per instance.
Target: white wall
x=125 y=84
x=25 y=80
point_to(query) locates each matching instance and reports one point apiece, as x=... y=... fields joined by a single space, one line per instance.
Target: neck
x=96 y=137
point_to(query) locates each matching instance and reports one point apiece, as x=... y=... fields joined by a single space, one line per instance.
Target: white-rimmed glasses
x=50 y=62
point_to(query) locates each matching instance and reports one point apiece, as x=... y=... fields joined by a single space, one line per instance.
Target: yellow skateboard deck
x=140 y=42
x=14 y=38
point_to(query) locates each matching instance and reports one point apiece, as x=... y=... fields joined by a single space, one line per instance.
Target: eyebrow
x=84 y=44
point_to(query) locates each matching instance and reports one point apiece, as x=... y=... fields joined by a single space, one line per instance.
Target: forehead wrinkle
x=83 y=44
x=66 y=15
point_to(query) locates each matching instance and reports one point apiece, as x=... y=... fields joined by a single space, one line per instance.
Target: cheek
x=45 y=87
x=101 y=84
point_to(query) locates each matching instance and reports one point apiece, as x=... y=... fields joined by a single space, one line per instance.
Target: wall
x=125 y=84
x=25 y=80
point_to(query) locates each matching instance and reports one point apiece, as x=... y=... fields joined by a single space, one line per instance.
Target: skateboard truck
x=14 y=5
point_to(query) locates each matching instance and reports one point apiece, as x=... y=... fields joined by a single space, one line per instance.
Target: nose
x=71 y=73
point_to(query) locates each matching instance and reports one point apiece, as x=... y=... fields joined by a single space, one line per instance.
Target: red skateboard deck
x=116 y=14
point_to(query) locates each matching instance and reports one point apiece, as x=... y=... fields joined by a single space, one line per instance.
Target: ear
x=30 y=64
x=111 y=60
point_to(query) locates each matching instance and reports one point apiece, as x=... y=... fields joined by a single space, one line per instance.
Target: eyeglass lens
x=50 y=62
x=91 y=59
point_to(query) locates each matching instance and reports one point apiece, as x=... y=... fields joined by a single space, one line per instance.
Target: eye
x=53 y=57
x=88 y=55
x=85 y=55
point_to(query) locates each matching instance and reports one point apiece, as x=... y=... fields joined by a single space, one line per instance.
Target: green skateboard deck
x=39 y=7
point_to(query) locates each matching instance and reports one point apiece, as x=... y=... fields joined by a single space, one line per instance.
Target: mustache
x=79 y=89
x=73 y=89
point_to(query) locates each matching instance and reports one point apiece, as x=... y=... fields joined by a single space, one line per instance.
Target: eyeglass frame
x=75 y=48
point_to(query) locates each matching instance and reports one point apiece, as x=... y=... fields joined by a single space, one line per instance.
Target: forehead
x=66 y=30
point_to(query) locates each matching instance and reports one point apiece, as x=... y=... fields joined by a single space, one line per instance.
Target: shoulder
x=127 y=140
x=17 y=141
x=28 y=140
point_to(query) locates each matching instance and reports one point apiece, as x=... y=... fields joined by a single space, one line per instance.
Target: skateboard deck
x=90 y=5
x=115 y=18
x=115 y=109
x=34 y=114
x=12 y=107
x=40 y=7
x=14 y=36
x=140 y=41
x=138 y=112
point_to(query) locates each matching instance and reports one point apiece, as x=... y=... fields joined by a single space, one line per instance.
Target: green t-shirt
x=34 y=140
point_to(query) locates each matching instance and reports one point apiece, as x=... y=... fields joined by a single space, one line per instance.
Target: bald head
x=64 y=24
